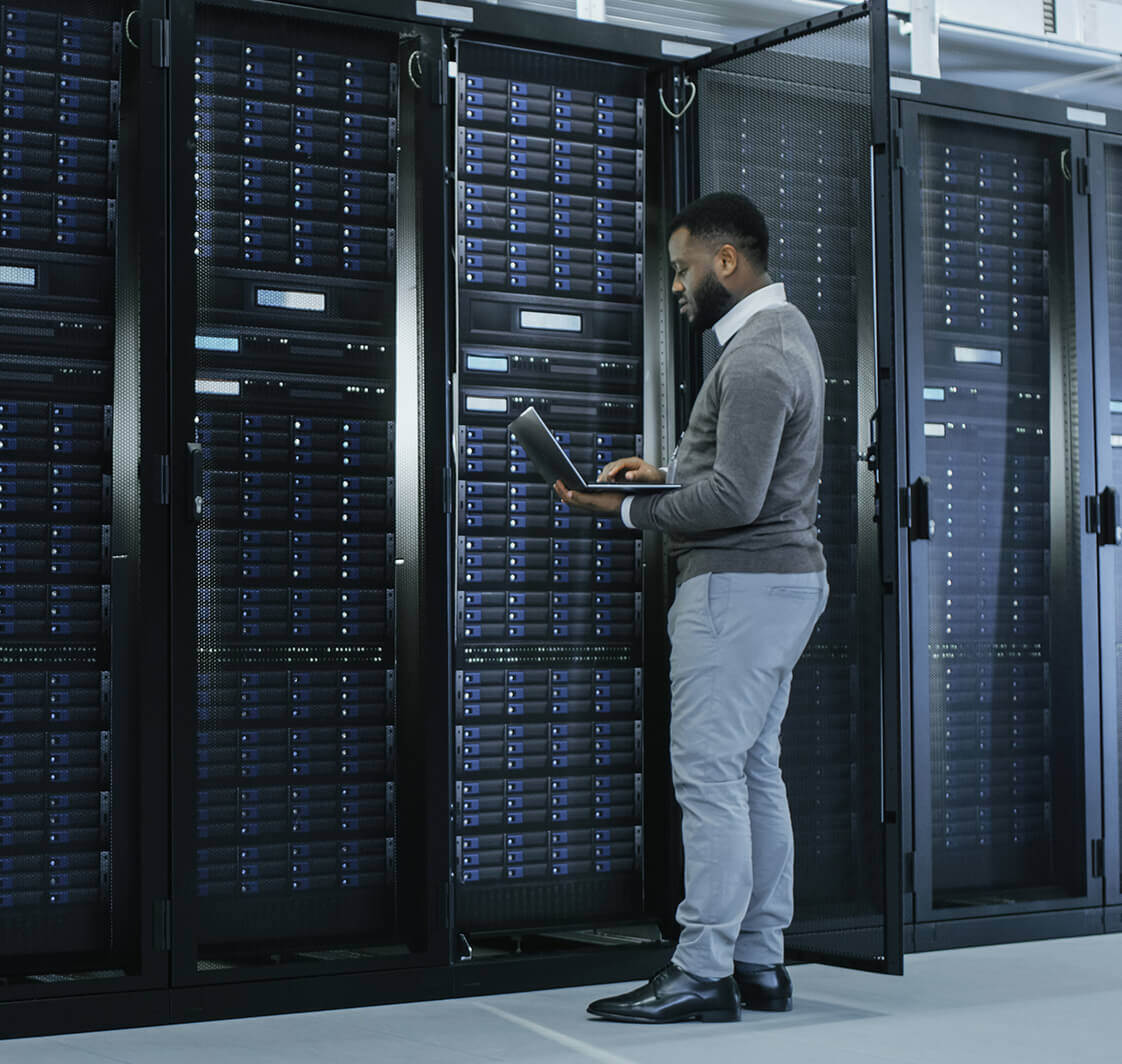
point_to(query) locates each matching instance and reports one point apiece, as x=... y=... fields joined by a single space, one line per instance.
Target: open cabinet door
x=798 y=121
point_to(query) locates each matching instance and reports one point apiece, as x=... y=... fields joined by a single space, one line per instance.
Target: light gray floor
x=1054 y=1002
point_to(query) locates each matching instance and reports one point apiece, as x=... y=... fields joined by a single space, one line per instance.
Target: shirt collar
x=771 y=295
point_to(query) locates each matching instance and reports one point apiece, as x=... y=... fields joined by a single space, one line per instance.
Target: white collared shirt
x=771 y=295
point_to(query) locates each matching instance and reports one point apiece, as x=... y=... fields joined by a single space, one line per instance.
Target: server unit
x=997 y=342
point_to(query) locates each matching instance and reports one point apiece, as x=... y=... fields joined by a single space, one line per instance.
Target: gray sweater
x=750 y=457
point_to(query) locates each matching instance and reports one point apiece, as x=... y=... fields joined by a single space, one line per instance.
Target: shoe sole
x=781 y=1005
x=713 y=1016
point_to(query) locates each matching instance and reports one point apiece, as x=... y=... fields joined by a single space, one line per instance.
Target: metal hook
x=415 y=78
x=128 y=36
x=689 y=103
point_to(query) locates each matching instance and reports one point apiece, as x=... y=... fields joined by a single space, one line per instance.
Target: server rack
x=996 y=329
x=302 y=762
x=1105 y=184
x=73 y=839
x=549 y=607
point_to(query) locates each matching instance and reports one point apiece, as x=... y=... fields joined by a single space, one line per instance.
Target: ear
x=726 y=260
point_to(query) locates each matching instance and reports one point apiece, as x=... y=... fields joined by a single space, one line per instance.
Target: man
x=751 y=585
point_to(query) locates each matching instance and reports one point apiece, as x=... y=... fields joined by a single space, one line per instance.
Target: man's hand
x=605 y=503
x=633 y=470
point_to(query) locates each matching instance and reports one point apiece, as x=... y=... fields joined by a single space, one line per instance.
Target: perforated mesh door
x=1001 y=624
x=790 y=127
x=1113 y=266
x=60 y=72
x=296 y=129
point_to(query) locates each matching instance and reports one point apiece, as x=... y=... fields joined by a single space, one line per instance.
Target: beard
x=711 y=301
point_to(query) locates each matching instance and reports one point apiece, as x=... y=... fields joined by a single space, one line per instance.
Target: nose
x=677 y=286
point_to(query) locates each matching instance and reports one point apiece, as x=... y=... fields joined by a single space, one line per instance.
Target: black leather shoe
x=766 y=991
x=672 y=996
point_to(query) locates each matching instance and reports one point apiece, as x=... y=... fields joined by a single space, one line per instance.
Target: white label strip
x=1087 y=118
x=684 y=49
x=21 y=275
x=934 y=429
x=454 y=12
x=1116 y=441
x=539 y=319
x=491 y=365
x=897 y=84
x=453 y=69
x=983 y=355
x=290 y=300
x=217 y=343
x=212 y=387
x=936 y=395
x=485 y=404
x=1116 y=406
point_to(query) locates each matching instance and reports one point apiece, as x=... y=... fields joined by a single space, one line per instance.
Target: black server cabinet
x=70 y=505
x=997 y=342
x=298 y=781
x=548 y=612
x=1105 y=186
x=798 y=121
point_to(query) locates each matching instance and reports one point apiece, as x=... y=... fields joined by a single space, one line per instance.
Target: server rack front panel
x=293 y=479
x=549 y=606
x=60 y=87
x=790 y=127
x=1000 y=816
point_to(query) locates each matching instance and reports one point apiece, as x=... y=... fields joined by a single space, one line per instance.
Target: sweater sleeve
x=755 y=399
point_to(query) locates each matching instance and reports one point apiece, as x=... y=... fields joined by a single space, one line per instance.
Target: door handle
x=1110 y=531
x=920 y=523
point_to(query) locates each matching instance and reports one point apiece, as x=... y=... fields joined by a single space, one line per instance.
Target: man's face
x=701 y=296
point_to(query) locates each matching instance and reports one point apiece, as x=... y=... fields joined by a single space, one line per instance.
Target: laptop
x=551 y=461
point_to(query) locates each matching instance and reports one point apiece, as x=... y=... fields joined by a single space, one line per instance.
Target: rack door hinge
x=161 y=43
x=164 y=473
x=449 y=491
x=1096 y=858
x=898 y=148
x=909 y=873
x=161 y=925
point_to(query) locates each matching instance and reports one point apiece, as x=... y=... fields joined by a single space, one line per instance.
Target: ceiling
x=969 y=53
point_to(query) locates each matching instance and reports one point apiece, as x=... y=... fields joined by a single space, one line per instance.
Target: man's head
x=718 y=250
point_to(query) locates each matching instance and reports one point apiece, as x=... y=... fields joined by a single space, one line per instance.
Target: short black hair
x=729 y=218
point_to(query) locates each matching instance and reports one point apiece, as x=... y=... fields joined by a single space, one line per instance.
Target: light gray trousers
x=735 y=637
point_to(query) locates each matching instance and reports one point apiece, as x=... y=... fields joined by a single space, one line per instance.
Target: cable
x=415 y=78
x=128 y=36
x=689 y=103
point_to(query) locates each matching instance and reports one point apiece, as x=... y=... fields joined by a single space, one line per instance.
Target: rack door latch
x=917 y=509
x=195 y=482
x=1103 y=518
